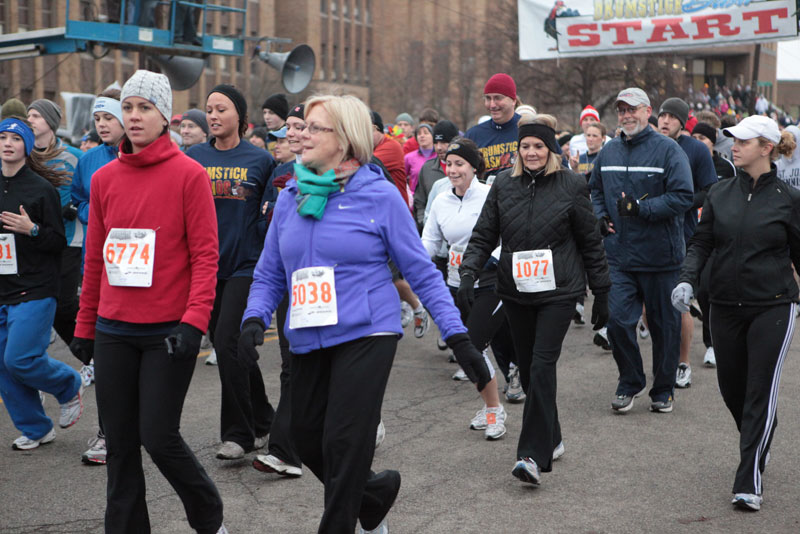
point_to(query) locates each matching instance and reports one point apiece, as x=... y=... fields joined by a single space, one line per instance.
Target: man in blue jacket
x=641 y=188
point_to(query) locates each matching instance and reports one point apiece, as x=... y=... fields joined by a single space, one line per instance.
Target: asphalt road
x=640 y=472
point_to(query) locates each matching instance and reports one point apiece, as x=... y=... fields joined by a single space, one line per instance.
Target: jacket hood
x=367 y=174
x=156 y=152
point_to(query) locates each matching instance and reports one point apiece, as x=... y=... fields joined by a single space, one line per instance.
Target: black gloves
x=252 y=334
x=83 y=349
x=599 y=311
x=605 y=226
x=183 y=342
x=627 y=206
x=465 y=296
x=470 y=360
x=69 y=212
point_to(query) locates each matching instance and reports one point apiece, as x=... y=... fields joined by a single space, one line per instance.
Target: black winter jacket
x=754 y=233
x=539 y=212
x=38 y=258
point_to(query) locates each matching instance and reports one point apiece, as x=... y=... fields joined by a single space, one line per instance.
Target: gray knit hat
x=150 y=86
x=49 y=110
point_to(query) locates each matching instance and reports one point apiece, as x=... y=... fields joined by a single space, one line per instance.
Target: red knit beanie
x=589 y=111
x=502 y=84
x=690 y=124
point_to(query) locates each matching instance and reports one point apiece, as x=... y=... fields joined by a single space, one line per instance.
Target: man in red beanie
x=497 y=138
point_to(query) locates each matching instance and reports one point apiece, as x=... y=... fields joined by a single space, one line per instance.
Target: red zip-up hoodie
x=159 y=188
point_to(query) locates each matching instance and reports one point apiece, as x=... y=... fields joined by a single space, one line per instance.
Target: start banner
x=570 y=28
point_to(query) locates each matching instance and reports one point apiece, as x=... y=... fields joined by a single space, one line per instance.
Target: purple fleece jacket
x=362 y=228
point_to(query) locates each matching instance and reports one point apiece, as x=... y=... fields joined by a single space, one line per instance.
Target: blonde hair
x=553 y=160
x=352 y=124
x=785 y=147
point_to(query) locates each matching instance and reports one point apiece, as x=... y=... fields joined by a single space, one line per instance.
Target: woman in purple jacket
x=333 y=230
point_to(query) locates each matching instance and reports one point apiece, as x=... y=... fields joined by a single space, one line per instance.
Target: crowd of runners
x=166 y=231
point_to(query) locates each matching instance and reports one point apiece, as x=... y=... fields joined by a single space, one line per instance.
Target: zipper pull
x=749 y=196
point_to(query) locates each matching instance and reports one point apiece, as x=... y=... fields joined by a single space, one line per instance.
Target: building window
x=323 y=7
x=2 y=16
x=47 y=14
x=23 y=17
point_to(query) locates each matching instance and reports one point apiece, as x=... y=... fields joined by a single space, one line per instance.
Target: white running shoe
x=211 y=359
x=644 y=333
x=460 y=375
x=380 y=435
x=514 y=393
x=577 y=318
x=259 y=442
x=71 y=410
x=558 y=452
x=222 y=529
x=747 y=501
x=87 y=375
x=267 y=463
x=683 y=377
x=527 y=471
x=421 y=323
x=230 y=450
x=479 y=421
x=710 y=359
x=24 y=443
x=97 y=452
x=383 y=528
x=406 y=314
x=205 y=343
x=495 y=423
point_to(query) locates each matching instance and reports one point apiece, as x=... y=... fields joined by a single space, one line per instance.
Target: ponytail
x=785 y=147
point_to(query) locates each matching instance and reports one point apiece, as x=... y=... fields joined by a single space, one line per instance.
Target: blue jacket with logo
x=363 y=226
x=655 y=170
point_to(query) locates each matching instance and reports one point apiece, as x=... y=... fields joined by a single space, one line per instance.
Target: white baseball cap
x=755 y=126
x=633 y=96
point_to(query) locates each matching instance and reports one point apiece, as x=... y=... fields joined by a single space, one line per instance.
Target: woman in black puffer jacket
x=550 y=240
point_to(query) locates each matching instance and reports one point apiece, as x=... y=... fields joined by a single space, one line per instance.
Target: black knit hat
x=540 y=131
x=297 y=111
x=278 y=104
x=377 y=120
x=467 y=150
x=677 y=108
x=235 y=96
x=706 y=130
x=444 y=131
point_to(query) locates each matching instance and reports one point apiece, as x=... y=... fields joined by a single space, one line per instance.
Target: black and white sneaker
x=601 y=339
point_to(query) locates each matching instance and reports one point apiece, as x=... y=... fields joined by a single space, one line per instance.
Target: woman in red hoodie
x=148 y=288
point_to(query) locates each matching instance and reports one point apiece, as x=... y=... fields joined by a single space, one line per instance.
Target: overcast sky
x=789 y=60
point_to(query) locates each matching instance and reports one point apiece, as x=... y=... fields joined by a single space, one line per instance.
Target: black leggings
x=485 y=317
x=140 y=393
x=280 y=439
x=337 y=394
x=538 y=333
x=750 y=344
x=246 y=412
x=67 y=308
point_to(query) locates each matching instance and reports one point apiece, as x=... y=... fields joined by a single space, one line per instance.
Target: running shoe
x=421 y=323
x=267 y=463
x=387 y=486
x=514 y=393
x=383 y=528
x=71 y=410
x=87 y=375
x=380 y=435
x=24 y=443
x=527 y=471
x=406 y=314
x=747 y=501
x=710 y=359
x=211 y=359
x=644 y=333
x=558 y=452
x=205 y=343
x=601 y=339
x=479 y=421
x=440 y=343
x=460 y=375
x=624 y=403
x=96 y=455
x=230 y=450
x=222 y=529
x=495 y=423
x=683 y=376
x=662 y=406
x=578 y=317
x=260 y=442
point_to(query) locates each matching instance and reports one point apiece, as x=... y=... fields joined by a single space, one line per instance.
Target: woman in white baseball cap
x=750 y=232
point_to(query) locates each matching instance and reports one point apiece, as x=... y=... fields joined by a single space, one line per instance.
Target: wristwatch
x=35 y=230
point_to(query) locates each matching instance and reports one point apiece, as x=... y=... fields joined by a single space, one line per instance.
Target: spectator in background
x=90 y=140
x=390 y=153
x=433 y=169
x=282 y=153
x=413 y=161
x=789 y=166
x=13 y=107
x=589 y=115
x=429 y=116
x=406 y=122
x=275 y=110
x=259 y=138
x=193 y=128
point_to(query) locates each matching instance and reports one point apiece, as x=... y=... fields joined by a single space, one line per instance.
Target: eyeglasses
x=314 y=129
x=624 y=110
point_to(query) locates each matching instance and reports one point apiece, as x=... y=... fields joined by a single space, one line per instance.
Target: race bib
x=8 y=254
x=533 y=270
x=454 y=257
x=129 y=255
x=313 y=298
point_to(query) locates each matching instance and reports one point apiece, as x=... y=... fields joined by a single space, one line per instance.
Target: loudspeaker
x=296 y=67
x=183 y=72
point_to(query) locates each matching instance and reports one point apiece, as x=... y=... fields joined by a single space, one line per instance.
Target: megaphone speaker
x=183 y=72
x=296 y=67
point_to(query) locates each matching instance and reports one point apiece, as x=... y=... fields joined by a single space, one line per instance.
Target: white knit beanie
x=150 y=86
